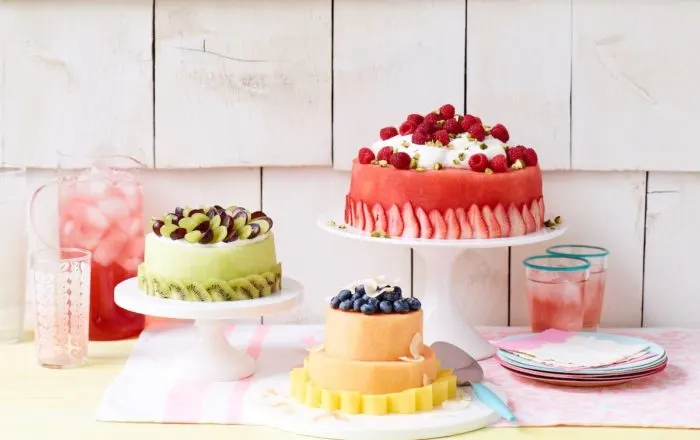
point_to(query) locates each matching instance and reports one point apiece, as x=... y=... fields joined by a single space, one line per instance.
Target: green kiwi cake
x=210 y=254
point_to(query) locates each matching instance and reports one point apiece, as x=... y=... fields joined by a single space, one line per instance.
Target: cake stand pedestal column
x=212 y=356
x=442 y=320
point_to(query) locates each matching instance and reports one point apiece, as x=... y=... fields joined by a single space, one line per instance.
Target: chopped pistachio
x=461 y=156
x=374 y=162
x=341 y=226
x=487 y=127
x=437 y=166
x=405 y=143
x=414 y=164
x=518 y=165
x=331 y=223
x=455 y=161
x=419 y=169
x=557 y=219
x=488 y=171
x=416 y=156
x=483 y=146
x=433 y=144
x=549 y=223
x=376 y=233
x=383 y=163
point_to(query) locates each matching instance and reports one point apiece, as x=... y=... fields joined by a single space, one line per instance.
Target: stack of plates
x=651 y=361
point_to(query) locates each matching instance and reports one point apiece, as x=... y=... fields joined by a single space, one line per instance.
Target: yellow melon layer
x=409 y=401
x=366 y=377
x=363 y=337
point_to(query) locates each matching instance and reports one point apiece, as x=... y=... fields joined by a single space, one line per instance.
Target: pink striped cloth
x=142 y=393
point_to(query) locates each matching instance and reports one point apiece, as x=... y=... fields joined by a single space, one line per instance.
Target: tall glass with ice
x=594 y=294
x=555 y=291
x=100 y=209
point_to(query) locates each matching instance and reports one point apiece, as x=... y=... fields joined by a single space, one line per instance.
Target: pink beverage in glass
x=555 y=291
x=594 y=294
x=101 y=210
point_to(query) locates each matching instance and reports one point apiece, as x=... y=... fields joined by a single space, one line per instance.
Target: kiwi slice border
x=240 y=289
x=219 y=290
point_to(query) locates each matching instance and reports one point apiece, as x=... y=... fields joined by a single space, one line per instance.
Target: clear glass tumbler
x=61 y=282
x=594 y=294
x=13 y=252
x=555 y=291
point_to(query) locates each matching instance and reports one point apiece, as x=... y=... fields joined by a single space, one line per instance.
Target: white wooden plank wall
x=265 y=103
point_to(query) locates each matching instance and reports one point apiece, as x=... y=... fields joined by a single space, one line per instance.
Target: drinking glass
x=555 y=291
x=594 y=294
x=13 y=251
x=61 y=281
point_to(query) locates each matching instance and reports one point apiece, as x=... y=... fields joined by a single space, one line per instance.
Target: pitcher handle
x=33 y=215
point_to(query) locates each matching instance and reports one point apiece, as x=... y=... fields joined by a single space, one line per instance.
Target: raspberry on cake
x=392 y=373
x=210 y=254
x=447 y=176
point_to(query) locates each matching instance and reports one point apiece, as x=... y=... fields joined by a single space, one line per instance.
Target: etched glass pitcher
x=96 y=203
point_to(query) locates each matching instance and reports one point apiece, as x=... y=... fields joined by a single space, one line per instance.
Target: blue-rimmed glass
x=555 y=290
x=595 y=287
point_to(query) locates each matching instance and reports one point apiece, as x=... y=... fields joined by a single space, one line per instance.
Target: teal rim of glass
x=529 y=263
x=595 y=251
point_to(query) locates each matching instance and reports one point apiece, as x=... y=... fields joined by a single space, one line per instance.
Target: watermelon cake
x=445 y=176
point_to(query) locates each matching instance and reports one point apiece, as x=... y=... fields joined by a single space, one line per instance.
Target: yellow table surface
x=60 y=404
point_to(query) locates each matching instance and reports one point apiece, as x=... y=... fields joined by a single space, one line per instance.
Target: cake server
x=469 y=372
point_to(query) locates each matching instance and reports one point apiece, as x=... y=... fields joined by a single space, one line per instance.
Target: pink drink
x=101 y=211
x=593 y=299
x=594 y=294
x=556 y=289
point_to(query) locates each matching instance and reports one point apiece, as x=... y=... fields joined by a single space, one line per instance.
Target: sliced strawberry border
x=481 y=222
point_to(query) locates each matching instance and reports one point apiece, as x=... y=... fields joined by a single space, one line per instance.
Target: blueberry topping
x=414 y=303
x=374 y=302
x=398 y=290
x=386 y=307
x=344 y=294
x=401 y=306
x=335 y=302
x=357 y=304
x=356 y=296
x=368 y=309
x=392 y=296
x=360 y=289
x=346 y=305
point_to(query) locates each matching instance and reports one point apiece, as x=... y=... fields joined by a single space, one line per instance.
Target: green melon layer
x=180 y=260
x=242 y=288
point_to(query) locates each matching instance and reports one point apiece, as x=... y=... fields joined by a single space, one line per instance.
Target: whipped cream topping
x=455 y=155
x=184 y=242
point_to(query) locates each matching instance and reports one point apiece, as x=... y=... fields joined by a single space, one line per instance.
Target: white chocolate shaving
x=415 y=346
x=412 y=359
x=315 y=348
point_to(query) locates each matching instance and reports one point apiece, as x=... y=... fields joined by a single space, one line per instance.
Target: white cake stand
x=211 y=356
x=442 y=319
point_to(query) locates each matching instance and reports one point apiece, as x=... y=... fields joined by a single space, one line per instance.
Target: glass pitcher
x=96 y=203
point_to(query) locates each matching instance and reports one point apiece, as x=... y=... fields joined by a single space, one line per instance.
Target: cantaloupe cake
x=446 y=176
x=210 y=254
x=373 y=360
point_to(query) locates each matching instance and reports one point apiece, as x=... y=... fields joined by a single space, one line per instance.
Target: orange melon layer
x=409 y=401
x=365 y=377
x=443 y=189
x=360 y=337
